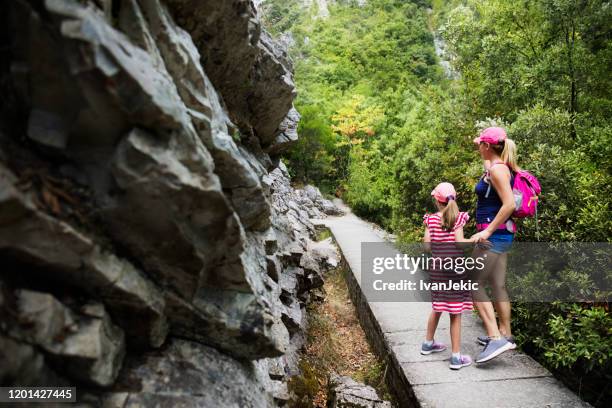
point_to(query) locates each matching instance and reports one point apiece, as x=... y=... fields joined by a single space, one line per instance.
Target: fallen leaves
x=56 y=196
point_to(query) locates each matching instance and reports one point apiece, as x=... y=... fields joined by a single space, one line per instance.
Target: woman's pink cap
x=492 y=135
x=443 y=192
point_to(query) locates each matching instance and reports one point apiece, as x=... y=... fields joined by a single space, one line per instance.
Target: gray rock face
x=133 y=92
x=346 y=392
x=139 y=204
x=182 y=60
x=183 y=200
x=21 y=363
x=310 y=196
x=326 y=251
x=272 y=66
x=191 y=375
x=89 y=347
x=287 y=133
x=240 y=62
x=85 y=345
x=160 y=197
x=38 y=239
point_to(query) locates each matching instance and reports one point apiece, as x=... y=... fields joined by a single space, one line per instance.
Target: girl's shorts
x=502 y=241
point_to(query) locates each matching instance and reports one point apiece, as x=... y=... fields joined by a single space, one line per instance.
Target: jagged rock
x=133 y=24
x=270 y=242
x=312 y=270
x=291 y=256
x=346 y=392
x=39 y=319
x=315 y=198
x=175 y=145
x=189 y=231
x=273 y=83
x=88 y=346
x=207 y=323
x=280 y=392
x=197 y=218
x=189 y=374
x=95 y=351
x=185 y=206
x=96 y=50
x=312 y=192
x=77 y=261
x=309 y=263
x=48 y=129
x=273 y=384
x=288 y=281
x=294 y=353
x=37 y=62
x=286 y=41
x=273 y=267
x=22 y=365
x=293 y=206
x=283 y=170
x=326 y=252
x=226 y=34
x=169 y=127
x=292 y=316
x=240 y=61
x=275 y=367
x=182 y=61
x=328 y=207
x=243 y=324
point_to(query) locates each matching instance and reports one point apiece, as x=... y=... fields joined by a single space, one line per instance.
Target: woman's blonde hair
x=507 y=152
x=450 y=212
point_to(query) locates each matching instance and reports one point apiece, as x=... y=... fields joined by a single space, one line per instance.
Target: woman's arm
x=500 y=180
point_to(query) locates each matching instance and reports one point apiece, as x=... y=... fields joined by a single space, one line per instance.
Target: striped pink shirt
x=446 y=301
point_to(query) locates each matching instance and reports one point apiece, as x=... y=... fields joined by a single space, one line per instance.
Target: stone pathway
x=396 y=330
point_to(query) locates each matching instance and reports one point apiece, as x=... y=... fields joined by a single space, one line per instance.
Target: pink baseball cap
x=444 y=192
x=492 y=135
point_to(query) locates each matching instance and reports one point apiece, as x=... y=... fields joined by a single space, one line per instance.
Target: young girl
x=446 y=226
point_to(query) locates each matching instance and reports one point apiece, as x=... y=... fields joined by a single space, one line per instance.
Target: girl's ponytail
x=508 y=155
x=450 y=214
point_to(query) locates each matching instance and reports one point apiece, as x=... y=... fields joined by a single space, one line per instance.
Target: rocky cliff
x=153 y=250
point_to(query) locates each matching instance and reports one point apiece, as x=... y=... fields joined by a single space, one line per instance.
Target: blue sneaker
x=493 y=349
x=483 y=340
x=458 y=362
x=433 y=348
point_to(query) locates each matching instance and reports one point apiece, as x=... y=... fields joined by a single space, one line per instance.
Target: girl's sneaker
x=458 y=362
x=432 y=348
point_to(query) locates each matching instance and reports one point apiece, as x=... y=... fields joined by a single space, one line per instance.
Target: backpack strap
x=488 y=175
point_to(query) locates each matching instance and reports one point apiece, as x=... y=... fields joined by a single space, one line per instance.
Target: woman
x=494 y=208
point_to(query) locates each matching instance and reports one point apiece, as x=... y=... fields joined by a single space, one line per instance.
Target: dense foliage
x=382 y=125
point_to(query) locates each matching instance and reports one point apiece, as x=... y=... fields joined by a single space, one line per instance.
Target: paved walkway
x=512 y=380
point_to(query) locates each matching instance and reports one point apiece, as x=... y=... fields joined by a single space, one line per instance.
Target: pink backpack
x=526 y=189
